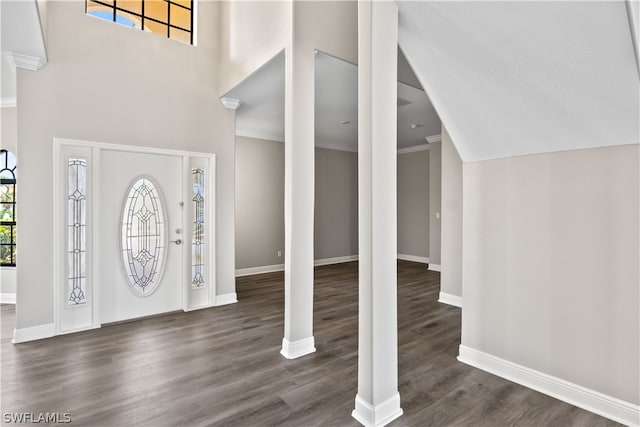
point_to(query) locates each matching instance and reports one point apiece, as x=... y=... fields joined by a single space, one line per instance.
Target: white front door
x=140 y=232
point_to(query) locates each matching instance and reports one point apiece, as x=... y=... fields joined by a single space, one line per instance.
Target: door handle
x=177 y=242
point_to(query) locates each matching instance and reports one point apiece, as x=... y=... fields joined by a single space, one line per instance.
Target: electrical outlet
x=279 y=254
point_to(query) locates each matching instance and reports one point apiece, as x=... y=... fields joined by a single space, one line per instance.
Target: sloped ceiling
x=516 y=78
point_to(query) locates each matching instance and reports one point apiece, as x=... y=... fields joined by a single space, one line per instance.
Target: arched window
x=7 y=209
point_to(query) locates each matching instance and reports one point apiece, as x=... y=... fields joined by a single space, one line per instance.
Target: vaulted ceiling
x=516 y=78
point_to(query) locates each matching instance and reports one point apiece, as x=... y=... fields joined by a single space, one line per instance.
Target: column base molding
x=295 y=349
x=377 y=415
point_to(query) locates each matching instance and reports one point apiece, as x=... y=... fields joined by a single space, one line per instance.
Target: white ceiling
x=515 y=78
x=336 y=86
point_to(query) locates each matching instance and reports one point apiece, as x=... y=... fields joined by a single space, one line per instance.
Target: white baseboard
x=295 y=349
x=337 y=260
x=7 y=298
x=413 y=258
x=280 y=267
x=434 y=267
x=379 y=415
x=33 y=333
x=453 y=300
x=225 y=299
x=259 y=270
x=593 y=401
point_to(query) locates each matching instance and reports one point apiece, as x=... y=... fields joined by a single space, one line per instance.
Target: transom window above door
x=169 y=18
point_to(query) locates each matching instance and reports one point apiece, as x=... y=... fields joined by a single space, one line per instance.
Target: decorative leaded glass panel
x=143 y=236
x=197 y=249
x=76 y=231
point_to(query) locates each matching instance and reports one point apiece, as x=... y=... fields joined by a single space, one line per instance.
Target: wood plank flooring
x=222 y=366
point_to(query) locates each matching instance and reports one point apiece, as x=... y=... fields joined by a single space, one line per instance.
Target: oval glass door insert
x=143 y=236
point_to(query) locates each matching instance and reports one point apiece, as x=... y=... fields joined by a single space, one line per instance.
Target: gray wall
x=336 y=204
x=451 y=239
x=413 y=204
x=116 y=85
x=259 y=202
x=435 y=203
x=551 y=267
x=9 y=129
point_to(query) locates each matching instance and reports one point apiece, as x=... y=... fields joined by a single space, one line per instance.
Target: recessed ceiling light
x=413 y=126
x=345 y=122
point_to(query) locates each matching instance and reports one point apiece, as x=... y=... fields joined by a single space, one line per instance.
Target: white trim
x=244 y=133
x=434 y=267
x=414 y=258
x=33 y=333
x=225 y=299
x=413 y=149
x=130 y=148
x=8 y=102
x=259 y=270
x=28 y=62
x=96 y=175
x=377 y=415
x=336 y=260
x=453 y=300
x=295 y=349
x=280 y=267
x=337 y=147
x=7 y=298
x=80 y=329
x=434 y=138
x=231 y=103
x=591 y=400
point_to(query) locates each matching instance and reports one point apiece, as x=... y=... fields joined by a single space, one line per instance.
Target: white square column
x=299 y=182
x=378 y=401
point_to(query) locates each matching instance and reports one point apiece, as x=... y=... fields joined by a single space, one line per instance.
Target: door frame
x=93 y=151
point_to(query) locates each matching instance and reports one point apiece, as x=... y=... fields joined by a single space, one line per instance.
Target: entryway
x=134 y=233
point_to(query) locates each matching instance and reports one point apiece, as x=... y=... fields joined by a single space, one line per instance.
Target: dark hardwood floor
x=222 y=366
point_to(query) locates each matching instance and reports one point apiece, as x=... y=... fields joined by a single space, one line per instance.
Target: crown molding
x=434 y=138
x=28 y=62
x=259 y=135
x=8 y=101
x=413 y=149
x=231 y=103
x=336 y=147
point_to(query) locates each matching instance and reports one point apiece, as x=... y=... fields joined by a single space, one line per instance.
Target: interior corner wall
x=551 y=271
x=9 y=129
x=259 y=202
x=329 y=26
x=108 y=83
x=336 y=204
x=413 y=204
x=451 y=238
x=8 y=141
x=435 y=202
x=251 y=32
